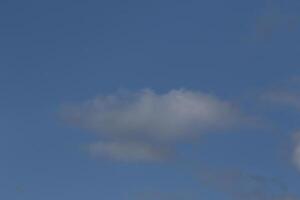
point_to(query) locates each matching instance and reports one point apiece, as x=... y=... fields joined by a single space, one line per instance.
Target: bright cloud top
x=138 y=126
x=175 y=114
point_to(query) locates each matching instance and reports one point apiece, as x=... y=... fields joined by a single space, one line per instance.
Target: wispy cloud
x=288 y=97
x=283 y=97
x=296 y=151
x=241 y=185
x=128 y=151
x=273 y=19
x=151 y=118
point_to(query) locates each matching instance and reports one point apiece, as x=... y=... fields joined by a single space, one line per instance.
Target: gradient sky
x=61 y=52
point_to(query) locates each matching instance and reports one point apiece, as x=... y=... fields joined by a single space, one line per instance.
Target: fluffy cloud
x=175 y=114
x=149 y=117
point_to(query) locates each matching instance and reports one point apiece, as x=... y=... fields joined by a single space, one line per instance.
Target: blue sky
x=209 y=90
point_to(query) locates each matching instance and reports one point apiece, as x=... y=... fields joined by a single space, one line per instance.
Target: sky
x=142 y=100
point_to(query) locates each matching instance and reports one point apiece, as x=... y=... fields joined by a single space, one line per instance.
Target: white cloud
x=177 y=113
x=149 y=117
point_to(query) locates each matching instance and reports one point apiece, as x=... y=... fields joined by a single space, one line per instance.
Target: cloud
x=288 y=98
x=283 y=97
x=146 y=117
x=296 y=151
x=178 y=113
x=241 y=185
x=128 y=151
x=273 y=19
x=296 y=155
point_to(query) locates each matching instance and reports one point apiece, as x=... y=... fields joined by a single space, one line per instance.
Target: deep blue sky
x=55 y=52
